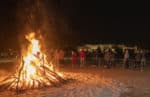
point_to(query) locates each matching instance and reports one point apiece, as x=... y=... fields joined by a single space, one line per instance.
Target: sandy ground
x=137 y=83
x=78 y=85
x=92 y=82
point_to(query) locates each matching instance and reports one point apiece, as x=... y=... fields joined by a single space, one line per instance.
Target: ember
x=34 y=70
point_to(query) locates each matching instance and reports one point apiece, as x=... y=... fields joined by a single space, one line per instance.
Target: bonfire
x=34 y=71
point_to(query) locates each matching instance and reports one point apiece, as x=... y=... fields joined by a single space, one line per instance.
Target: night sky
x=84 y=23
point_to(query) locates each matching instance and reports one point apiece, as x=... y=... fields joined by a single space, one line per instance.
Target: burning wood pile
x=34 y=71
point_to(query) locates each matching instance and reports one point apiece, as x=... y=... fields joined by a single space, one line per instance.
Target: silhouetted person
x=74 y=59
x=56 y=60
x=126 y=59
x=107 y=58
x=61 y=56
x=98 y=57
x=112 y=59
x=143 y=60
x=138 y=56
x=82 y=58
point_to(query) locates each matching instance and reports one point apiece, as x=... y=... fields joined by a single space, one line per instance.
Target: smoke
x=33 y=17
x=45 y=19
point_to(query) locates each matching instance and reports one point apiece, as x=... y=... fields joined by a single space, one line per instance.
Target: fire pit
x=34 y=70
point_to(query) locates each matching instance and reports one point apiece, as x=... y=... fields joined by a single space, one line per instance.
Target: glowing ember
x=34 y=71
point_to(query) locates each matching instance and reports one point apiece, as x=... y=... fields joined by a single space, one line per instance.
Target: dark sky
x=87 y=23
x=88 y=19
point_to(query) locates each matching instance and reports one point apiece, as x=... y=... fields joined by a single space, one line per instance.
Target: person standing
x=56 y=60
x=126 y=59
x=82 y=58
x=61 y=57
x=107 y=57
x=74 y=59
x=98 y=57
x=138 y=57
x=143 y=60
x=112 y=59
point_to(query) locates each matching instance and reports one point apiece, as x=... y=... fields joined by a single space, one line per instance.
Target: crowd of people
x=139 y=60
x=107 y=58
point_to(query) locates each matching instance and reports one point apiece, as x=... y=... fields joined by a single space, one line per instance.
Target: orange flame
x=35 y=70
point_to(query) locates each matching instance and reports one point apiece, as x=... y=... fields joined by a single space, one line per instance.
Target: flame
x=35 y=70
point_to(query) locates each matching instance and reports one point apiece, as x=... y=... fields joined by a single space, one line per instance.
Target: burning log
x=34 y=71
